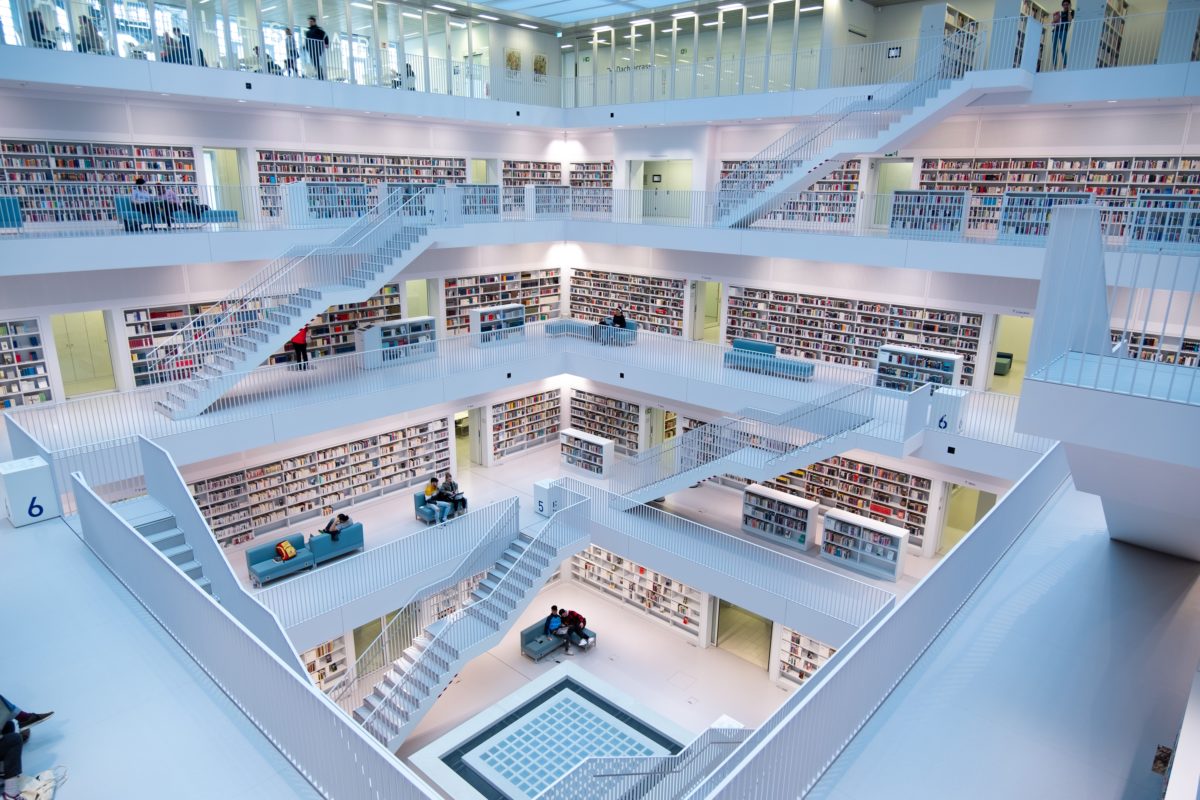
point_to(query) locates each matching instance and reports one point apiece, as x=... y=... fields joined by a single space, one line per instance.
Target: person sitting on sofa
x=441 y=507
x=554 y=627
x=576 y=625
x=617 y=321
x=618 y=318
x=449 y=492
x=337 y=523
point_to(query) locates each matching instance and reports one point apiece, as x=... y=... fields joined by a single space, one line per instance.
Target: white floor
x=638 y=655
x=1126 y=376
x=1056 y=680
x=134 y=716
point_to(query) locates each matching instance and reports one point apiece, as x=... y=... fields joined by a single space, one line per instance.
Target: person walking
x=291 y=59
x=1062 y=25
x=300 y=348
x=316 y=41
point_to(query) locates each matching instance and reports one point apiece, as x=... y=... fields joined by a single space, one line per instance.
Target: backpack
x=285 y=550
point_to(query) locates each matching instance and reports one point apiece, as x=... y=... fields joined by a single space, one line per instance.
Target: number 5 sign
x=29 y=494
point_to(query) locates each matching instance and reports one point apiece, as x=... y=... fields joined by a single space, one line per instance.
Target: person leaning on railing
x=1062 y=25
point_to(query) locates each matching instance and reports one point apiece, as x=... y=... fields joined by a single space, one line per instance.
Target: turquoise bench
x=211 y=216
x=538 y=645
x=134 y=220
x=324 y=548
x=425 y=510
x=10 y=213
x=618 y=336
x=570 y=327
x=263 y=567
x=759 y=357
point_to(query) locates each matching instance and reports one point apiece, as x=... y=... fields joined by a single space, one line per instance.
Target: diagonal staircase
x=932 y=88
x=217 y=349
x=422 y=673
x=157 y=524
x=755 y=445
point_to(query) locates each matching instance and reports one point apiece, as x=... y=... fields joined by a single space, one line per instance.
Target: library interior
x=674 y=400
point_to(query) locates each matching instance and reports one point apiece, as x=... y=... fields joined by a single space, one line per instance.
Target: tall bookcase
x=675 y=604
x=326 y=663
x=656 y=304
x=864 y=544
x=779 y=516
x=591 y=187
x=610 y=418
x=536 y=289
x=60 y=181
x=277 y=167
x=24 y=380
x=525 y=422
x=245 y=502
x=329 y=333
x=832 y=202
x=882 y=494
x=846 y=331
x=798 y=656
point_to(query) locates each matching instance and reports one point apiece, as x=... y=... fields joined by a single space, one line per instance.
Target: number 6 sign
x=29 y=491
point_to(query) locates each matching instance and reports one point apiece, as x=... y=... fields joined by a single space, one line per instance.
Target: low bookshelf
x=908 y=368
x=799 y=656
x=404 y=340
x=865 y=545
x=592 y=455
x=23 y=376
x=779 y=516
x=496 y=325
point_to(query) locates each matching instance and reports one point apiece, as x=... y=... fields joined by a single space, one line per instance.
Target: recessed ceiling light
x=489 y=17
x=364 y=6
x=527 y=25
x=454 y=24
x=669 y=30
x=710 y=24
x=411 y=15
x=1110 y=101
x=802 y=9
x=164 y=94
x=602 y=28
x=641 y=22
x=308 y=106
x=565 y=46
x=758 y=16
x=730 y=7
x=241 y=101
x=683 y=14
x=445 y=8
x=269 y=8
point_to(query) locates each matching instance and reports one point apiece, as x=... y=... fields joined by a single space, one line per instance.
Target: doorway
x=743 y=633
x=890 y=176
x=84 y=357
x=964 y=508
x=224 y=189
x=482 y=171
x=706 y=311
x=472 y=428
x=462 y=439
x=1010 y=353
x=666 y=187
x=418 y=297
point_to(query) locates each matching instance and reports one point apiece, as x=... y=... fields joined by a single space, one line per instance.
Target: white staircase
x=757 y=446
x=220 y=347
x=154 y=522
x=421 y=674
x=935 y=86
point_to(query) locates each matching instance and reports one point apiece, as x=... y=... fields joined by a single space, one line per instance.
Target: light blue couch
x=10 y=213
x=426 y=511
x=263 y=567
x=133 y=219
x=538 y=645
x=759 y=357
x=570 y=327
x=324 y=548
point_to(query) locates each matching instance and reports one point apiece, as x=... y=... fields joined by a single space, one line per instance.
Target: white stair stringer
x=741 y=208
x=159 y=527
x=423 y=672
x=352 y=280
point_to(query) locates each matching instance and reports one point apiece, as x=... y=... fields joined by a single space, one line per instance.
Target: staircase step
x=166 y=539
x=179 y=554
x=205 y=584
x=193 y=569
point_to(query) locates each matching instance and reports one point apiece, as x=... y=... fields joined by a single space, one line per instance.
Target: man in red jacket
x=575 y=623
x=300 y=347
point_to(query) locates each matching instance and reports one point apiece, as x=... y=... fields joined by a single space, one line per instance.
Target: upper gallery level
x=782 y=59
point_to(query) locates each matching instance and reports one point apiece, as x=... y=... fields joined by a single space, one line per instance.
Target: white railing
x=746 y=563
x=331 y=753
x=351 y=579
x=794 y=748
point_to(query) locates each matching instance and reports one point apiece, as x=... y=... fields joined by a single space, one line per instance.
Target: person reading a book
x=441 y=508
x=449 y=492
x=336 y=524
x=553 y=626
x=618 y=318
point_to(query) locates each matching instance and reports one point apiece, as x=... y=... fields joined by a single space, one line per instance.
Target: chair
x=10 y=213
x=1003 y=363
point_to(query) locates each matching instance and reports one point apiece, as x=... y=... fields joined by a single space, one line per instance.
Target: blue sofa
x=324 y=548
x=570 y=327
x=760 y=357
x=618 y=336
x=538 y=645
x=263 y=567
x=133 y=220
x=10 y=213
x=426 y=512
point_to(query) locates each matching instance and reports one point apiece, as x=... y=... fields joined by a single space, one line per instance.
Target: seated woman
x=441 y=507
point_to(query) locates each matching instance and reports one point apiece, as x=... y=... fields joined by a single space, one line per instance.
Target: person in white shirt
x=148 y=203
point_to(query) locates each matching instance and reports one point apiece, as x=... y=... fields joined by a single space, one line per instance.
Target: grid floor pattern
x=528 y=756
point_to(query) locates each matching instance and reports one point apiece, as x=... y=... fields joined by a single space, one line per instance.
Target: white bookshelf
x=327 y=664
x=315 y=201
x=609 y=418
x=779 y=516
x=831 y=203
x=930 y=211
x=1025 y=215
x=404 y=340
x=799 y=656
x=909 y=368
x=279 y=167
x=591 y=187
x=497 y=325
x=481 y=202
x=243 y=503
x=538 y=290
x=592 y=455
x=847 y=331
x=525 y=422
x=24 y=379
x=548 y=202
x=523 y=173
x=656 y=304
x=675 y=604
x=885 y=495
x=1165 y=219
x=940 y=21
x=70 y=181
x=1173 y=349
x=865 y=545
